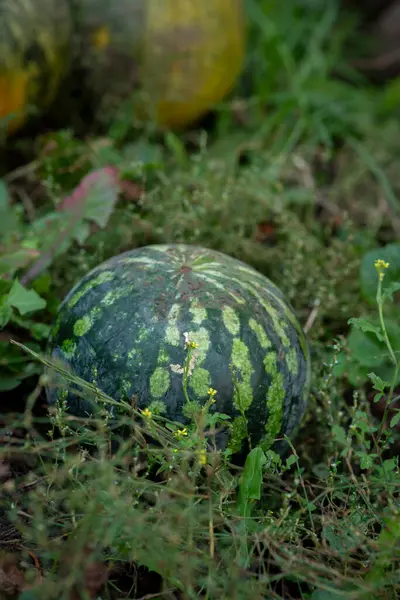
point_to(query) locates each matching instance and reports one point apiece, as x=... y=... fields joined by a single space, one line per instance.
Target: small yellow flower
x=175 y=450
x=202 y=457
x=188 y=342
x=147 y=413
x=211 y=392
x=380 y=266
x=180 y=433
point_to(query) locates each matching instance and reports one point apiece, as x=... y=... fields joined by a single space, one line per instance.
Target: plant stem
x=392 y=356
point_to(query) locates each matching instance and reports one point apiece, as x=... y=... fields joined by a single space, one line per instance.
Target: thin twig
x=312 y=316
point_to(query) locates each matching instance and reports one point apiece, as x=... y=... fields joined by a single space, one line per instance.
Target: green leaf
x=365 y=326
x=391 y=289
x=9 y=383
x=379 y=384
x=369 y=275
x=251 y=479
x=291 y=460
x=395 y=420
x=252 y=473
x=366 y=461
x=95 y=197
x=25 y=301
x=339 y=434
x=5 y=313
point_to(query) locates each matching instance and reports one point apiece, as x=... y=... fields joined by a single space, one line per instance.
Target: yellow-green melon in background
x=35 y=40
x=180 y=57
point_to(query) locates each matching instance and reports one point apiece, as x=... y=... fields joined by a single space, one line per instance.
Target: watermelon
x=179 y=57
x=35 y=38
x=124 y=326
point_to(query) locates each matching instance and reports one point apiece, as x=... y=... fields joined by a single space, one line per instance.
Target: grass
x=296 y=174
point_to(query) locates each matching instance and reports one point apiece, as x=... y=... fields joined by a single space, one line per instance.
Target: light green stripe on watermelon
x=279 y=324
x=237 y=298
x=201 y=261
x=275 y=400
x=163 y=357
x=159 y=382
x=238 y=433
x=145 y=260
x=83 y=325
x=172 y=335
x=231 y=320
x=211 y=281
x=199 y=314
x=292 y=361
x=200 y=379
x=102 y=277
x=262 y=337
x=240 y=360
x=114 y=295
x=273 y=292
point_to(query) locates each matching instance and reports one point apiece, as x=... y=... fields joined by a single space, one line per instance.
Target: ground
x=295 y=173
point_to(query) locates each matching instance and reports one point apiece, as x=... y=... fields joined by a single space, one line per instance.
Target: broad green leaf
x=391 y=289
x=251 y=479
x=252 y=473
x=95 y=197
x=25 y=301
x=365 y=326
x=8 y=382
x=366 y=349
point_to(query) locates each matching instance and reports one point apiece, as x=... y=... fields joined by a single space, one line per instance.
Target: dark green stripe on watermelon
x=122 y=327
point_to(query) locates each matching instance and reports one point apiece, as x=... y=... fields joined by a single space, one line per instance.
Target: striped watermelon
x=122 y=327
